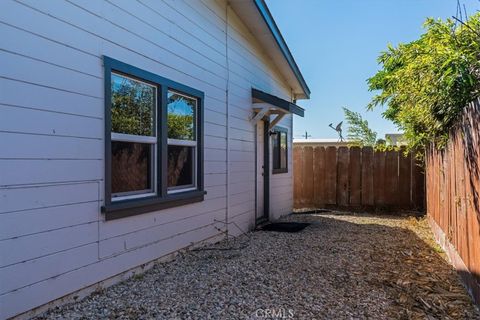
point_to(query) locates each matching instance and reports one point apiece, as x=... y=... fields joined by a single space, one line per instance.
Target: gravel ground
x=343 y=266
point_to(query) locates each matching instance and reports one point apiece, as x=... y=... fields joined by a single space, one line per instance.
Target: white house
x=132 y=129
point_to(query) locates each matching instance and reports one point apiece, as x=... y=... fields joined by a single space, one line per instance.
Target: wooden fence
x=453 y=189
x=353 y=178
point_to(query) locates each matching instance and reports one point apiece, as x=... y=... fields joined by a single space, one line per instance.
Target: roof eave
x=282 y=45
x=257 y=18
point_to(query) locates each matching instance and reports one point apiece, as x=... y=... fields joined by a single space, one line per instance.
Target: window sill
x=126 y=208
x=277 y=171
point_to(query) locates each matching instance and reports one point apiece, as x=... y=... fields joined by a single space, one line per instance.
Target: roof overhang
x=279 y=104
x=258 y=19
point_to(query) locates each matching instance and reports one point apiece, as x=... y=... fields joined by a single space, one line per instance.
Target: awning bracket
x=277 y=119
x=260 y=113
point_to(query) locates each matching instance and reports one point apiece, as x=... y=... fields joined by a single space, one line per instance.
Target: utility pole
x=306 y=135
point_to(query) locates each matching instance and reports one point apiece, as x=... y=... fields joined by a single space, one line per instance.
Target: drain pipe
x=228 y=121
x=255 y=139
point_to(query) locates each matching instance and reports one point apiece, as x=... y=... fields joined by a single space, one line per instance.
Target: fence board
x=471 y=144
x=441 y=177
x=297 y=177
x=461 y=206
x=379 y=178
x=404 y=179
x=453 y=205
x=355 y=176
x=452 y=201
x=319 y=176
x=418 y=186
x=367 y=177
x=391 y=177
x=342 y=176
x=308 y=176
x=331 y=176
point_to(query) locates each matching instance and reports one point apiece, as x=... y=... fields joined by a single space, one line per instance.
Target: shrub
x=425 y=84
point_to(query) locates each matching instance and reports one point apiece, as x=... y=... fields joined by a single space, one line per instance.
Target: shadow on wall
x=390 y=261
x=470 y=132
x=453 y=186
x=471 y=139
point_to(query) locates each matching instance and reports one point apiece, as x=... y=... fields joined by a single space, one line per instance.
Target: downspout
x=255 y=139
x=291 y=152
x=228 y=121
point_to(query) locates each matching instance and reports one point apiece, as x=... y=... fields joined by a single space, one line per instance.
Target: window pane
x=276 y=150
x=133 y=106
x=283 y=150
x=180 y=166
x=132 y=167
x=181 y=116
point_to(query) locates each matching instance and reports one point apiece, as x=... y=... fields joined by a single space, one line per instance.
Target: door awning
x=282 y=105
x=265 y=104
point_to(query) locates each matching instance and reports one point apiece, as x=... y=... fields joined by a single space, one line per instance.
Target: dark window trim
x=282 y=170
x=124 y=208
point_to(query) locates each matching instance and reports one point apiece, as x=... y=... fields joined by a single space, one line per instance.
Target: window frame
x=143 y=139
x=279 y=130
x=185 y=143
x=162 y=199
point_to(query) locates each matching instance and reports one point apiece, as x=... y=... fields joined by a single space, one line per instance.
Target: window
x=279 y=150
x=181 y=115
x=133 y=137
x=153 y=135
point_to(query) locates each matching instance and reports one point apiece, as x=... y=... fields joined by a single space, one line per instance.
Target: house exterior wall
x=53 y=238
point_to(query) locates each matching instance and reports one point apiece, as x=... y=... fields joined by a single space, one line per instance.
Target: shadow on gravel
x=395 y=257
x=339 y=267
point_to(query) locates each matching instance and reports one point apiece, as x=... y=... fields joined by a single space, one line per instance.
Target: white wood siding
x=53 y=238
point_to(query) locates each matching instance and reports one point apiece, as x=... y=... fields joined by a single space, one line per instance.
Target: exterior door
x=262 y=172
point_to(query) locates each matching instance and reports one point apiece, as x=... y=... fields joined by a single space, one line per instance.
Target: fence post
x=297 y=176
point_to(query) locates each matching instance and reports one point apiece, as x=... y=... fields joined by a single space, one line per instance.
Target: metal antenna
x=338 y=129
x=459 y=11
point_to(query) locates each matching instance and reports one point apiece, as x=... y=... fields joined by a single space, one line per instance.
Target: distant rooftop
x=327 y=140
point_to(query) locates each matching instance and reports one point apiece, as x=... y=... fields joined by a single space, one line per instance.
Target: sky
x=336 y=44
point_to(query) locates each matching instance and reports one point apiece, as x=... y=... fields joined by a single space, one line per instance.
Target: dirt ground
x=342 y=266
x=398 y=257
